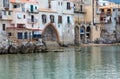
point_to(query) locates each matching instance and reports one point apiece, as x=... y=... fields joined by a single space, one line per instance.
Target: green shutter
x=31 y=8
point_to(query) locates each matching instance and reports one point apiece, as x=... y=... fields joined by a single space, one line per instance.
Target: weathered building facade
x=109 y=19
x=20 y=15
x=57 y=22
x=25 y=20
x=86 y=16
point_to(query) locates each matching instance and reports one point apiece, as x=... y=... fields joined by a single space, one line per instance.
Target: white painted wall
x=43 y=3
x=65 y=30
x=61 y=7
x=3 y=35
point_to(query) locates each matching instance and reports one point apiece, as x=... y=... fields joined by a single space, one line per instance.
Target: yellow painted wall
x=95 y=32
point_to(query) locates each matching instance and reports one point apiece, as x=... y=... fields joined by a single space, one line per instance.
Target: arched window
x=44 y=18
x=59 y=19
x=52 y=18
x=82 y=30
x=88 y=29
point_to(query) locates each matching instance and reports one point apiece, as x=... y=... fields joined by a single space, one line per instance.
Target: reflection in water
x=90 y=63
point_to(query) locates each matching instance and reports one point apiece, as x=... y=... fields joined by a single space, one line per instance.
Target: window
x=102 y=19
x=20 y=26
x=9 y=13
x=52 y=18
x=25 y=35
x=16 y=5
x=119 y=19
x=104 y=4
x=49 y=4
x=31 y=8
x=68 y=19
x=19 y=16
x=32 y=25
x=68 y=5
x=23 y=9
x=118 y=9
x=113 y=9
x=35 y=7
x=20 y=35
x=24 y=16
x=30 y=35
x=102 y=10
x=4 y=12
x=109 y=10
x=3 y=26
x=59 y=19
x=58 y=3
x=74 y=7
x=44 y=18
x=32 y=18
x=81 y=8
x=61 y=3
x=9 y=34
x=6 y=3
x=0 y=14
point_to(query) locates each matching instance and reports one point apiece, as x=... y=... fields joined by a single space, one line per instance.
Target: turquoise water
x=90 y=63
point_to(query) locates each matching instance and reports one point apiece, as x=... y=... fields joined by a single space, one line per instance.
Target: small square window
x=9 y=34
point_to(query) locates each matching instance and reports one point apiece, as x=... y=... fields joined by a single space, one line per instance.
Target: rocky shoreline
x=40 y=47
x=23 y=48
x=31 y=47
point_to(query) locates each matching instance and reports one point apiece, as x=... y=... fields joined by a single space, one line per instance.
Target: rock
x=12 y=49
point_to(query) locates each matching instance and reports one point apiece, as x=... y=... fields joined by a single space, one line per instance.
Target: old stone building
x=20 y=15
x=86 y=16
x=56 y=21
x=26 y=20
x=109 y=19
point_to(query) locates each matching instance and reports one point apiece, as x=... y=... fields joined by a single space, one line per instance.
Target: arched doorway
x=76 y=34
x=50 y=33
x=82 y=34
x=88 y=33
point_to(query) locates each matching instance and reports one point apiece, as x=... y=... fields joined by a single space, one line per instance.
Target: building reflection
x=89 y=63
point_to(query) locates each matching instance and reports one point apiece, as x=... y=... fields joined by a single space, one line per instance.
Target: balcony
x=82 y=11
x=33 y=11
x=32 y=21
x=105 y=22
x=6 y=17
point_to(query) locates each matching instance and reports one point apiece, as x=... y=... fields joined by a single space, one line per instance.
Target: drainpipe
x=93 y=12
x=85 y=35
x=79 y=34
